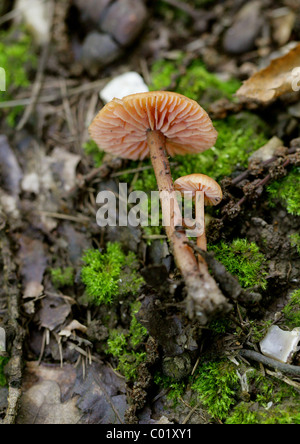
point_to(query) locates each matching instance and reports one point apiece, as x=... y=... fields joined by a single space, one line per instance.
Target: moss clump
x=175 y=388
x=62 y=277
x=216 y=385
x=244 y=260
x=274 y=403
x=110 y=274
x=17 y=59
x=92 y=149
x=238 y=138
x=287 y=191
x=196 y=83
x=3 y=363
x=125 y=345
x=295 y=241
x=249 y=413
x=292 y=310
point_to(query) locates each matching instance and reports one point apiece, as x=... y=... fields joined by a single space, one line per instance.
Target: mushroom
x=205 y=191
x=158 y=124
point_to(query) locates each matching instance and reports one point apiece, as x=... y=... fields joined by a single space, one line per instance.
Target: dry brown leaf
x=280 y=77
x=33 y=261
x=41 y=404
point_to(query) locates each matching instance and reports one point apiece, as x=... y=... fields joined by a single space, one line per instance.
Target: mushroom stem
x=204 y=296
x=200 y=219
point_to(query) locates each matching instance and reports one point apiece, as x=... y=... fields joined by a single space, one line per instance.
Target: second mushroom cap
x=200 y=182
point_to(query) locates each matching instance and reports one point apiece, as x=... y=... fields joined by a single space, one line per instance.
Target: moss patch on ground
x=244 y=260
x=197 y=82
x=274 y=403
x=292 y=310
x=62 y=277
x=17 y=59
x=3 y=363
x=287 y=191
x=126 y=346
x=110 y=274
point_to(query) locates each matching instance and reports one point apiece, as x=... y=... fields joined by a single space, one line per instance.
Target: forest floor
x=95 y=319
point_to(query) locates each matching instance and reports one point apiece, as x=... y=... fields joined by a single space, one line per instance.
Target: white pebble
x=279 y=344
x=122 y=86
x=36 y=15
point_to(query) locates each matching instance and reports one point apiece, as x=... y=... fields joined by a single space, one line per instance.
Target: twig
x=39 y=77
x=246 y=173
x=288 y=381
x=79 y=219
x=269 y=362
x=54 y=97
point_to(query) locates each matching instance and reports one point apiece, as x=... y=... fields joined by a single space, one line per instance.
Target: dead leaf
x=53 y=313
x=56 y=395
x=280 y=77
x=41 y=404
x=33 y=262
x=102 y=397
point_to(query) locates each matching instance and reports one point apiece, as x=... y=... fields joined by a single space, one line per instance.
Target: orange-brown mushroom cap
x=121 y=126
x=200 y=182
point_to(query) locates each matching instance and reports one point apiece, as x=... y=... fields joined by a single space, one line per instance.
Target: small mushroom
x=158 y=124
x=205 y=191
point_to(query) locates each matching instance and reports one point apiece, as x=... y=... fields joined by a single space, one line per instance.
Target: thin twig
x=284 y=368
x=57 y=96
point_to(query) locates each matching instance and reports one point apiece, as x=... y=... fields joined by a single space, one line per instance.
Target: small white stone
x=37 y=16
x=122 y=86
x=279 y=344
x=31 y=183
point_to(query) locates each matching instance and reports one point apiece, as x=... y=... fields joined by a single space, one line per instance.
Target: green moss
x=109 y=274
x=92 y=149
x=62 y=277
x=197 y=82
x=244 y=260
x=125 y=345
x=287 y=191
x=200 y=84
x=3 y=363
x=292 y=310
x=259 y=329
x=216 y=384
x=17 y=59
x=175 y=389
x=275 y=403
x=295 y=241
x=249 y=413
x=137 y=331
x=238 y=137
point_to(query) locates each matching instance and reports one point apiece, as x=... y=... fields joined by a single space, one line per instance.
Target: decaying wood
x=14 y=368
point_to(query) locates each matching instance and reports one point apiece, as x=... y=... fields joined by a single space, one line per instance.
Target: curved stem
x=204 y=296
x=200 y=219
